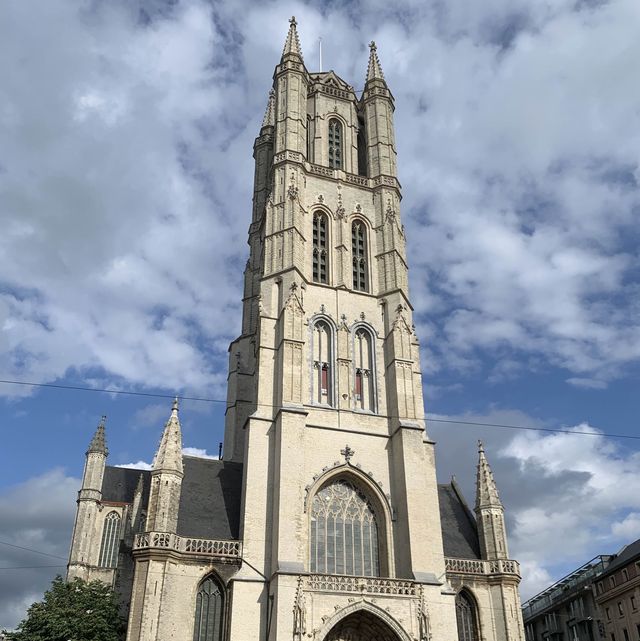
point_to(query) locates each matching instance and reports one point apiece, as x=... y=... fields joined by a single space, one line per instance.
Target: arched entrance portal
x=361 y=626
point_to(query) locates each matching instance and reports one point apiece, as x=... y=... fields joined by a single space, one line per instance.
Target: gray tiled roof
x=119 y=484
x=459 y=530
x=625 y=556
x=210 y=499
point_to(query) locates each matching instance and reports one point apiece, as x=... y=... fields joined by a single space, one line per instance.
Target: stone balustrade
x=188 y=545
x=360 y=584
x=482 y=566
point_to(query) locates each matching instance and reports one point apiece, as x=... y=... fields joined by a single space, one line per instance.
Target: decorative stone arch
x=373 y=335
x=381 y=504
x=357 y=607
x=360 y=218
x=474 y=633
x=313 y=321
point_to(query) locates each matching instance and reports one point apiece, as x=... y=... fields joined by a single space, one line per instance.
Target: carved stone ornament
x=424 y=623
x=358 y=208
x=299 y=613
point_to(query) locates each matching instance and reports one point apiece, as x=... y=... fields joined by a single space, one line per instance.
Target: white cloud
x=138 y=465
x=198 y=452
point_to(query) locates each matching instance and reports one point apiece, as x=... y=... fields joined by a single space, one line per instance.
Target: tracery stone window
x=344 y=532
x=209 y=611
x=335 y=143
x=466 y=617
x=320 y=248
x=322 y=374
x=110 y=541
x=364 y=370
x=359 y=255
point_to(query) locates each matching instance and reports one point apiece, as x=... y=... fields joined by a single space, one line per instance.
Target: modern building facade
x=567 y=610
x=617 y=594
x=324 y=521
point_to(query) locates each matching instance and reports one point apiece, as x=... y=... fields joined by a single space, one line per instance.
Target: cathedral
x=323 y=520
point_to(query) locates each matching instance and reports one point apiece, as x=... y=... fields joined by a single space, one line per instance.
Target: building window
x=620 y=608
x=364 y=370
x=634 y=605
x=466 y=617
x=320 y=248
x=322 y=345
x=209 y=611
x=608 y=613
x=638 y=630
x=110 y=541
x=359 y=254
x=600 y=587
x=625 y=575
x=626 y=634
x=612 y=581
x=335 y=143
x=344 y=532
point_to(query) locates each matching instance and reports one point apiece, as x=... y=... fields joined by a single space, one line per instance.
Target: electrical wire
x=20 y=547
x=430 y=419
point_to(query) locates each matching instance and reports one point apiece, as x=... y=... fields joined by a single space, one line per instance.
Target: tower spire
x=292 y=43
x=374 y=70
x=169 y=455
x=269 y=119
x=486 y=488
x=98 y=442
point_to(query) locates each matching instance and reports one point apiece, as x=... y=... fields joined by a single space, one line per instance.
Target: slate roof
x=459 y=529
x=209 y=500
x=119 y=484
x=625 y=556
x=211 y=495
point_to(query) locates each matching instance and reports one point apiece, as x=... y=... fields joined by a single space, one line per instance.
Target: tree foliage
x=73 y=611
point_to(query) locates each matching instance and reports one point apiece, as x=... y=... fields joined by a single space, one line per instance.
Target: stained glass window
x=359 y=254
x=320 y=274
x=110 y=541
x=466 y=618
x=209 y=619
x=335 y=143
x=344 y=532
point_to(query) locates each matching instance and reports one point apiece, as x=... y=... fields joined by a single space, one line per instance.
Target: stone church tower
x=324 y=521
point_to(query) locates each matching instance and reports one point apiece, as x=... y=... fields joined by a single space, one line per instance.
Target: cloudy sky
x=126 y=131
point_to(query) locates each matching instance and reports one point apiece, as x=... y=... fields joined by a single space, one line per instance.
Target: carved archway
x=363 y=621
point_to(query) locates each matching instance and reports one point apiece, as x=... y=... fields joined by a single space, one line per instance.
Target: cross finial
x=372 y=45
x=480 y=446
x=175 y=404
x=292 y=21
x=347 y=452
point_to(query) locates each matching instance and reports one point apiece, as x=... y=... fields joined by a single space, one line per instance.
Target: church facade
x=324 y=521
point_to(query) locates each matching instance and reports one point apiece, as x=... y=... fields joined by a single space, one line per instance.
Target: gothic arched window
x=466 y=617
x=335 y=143
x=209 y=611
x=322 y=343
x=364 y=370
x=344 y=532
x=110 y=541
x=320 y=248
x=359 y=254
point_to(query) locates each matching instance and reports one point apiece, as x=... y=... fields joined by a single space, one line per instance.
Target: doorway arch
x=364 y=622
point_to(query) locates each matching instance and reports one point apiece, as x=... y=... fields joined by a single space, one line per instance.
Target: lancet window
x=467 y=618
x=335 y=143
x=359 y=254
x=322 y=383
x=110 y=541
x=364 y=371
x=344 y=531
x=209 y=611
x=320 y=248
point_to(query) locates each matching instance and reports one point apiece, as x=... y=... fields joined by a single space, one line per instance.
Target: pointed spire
x=98 y=442
x=269 y=119
x=169 y=455
x=374 y=70
x=292 y=43
x=486 y=489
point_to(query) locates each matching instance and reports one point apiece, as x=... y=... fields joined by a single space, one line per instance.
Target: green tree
x=73 y=611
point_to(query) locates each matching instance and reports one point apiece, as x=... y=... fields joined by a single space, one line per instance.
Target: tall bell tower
x=325 y=389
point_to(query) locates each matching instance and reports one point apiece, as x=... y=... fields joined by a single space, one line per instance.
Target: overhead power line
x=20 y=547
x=430 y=419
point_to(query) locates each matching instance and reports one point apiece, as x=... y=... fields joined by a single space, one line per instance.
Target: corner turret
x=489 y=512
x=166 y=477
